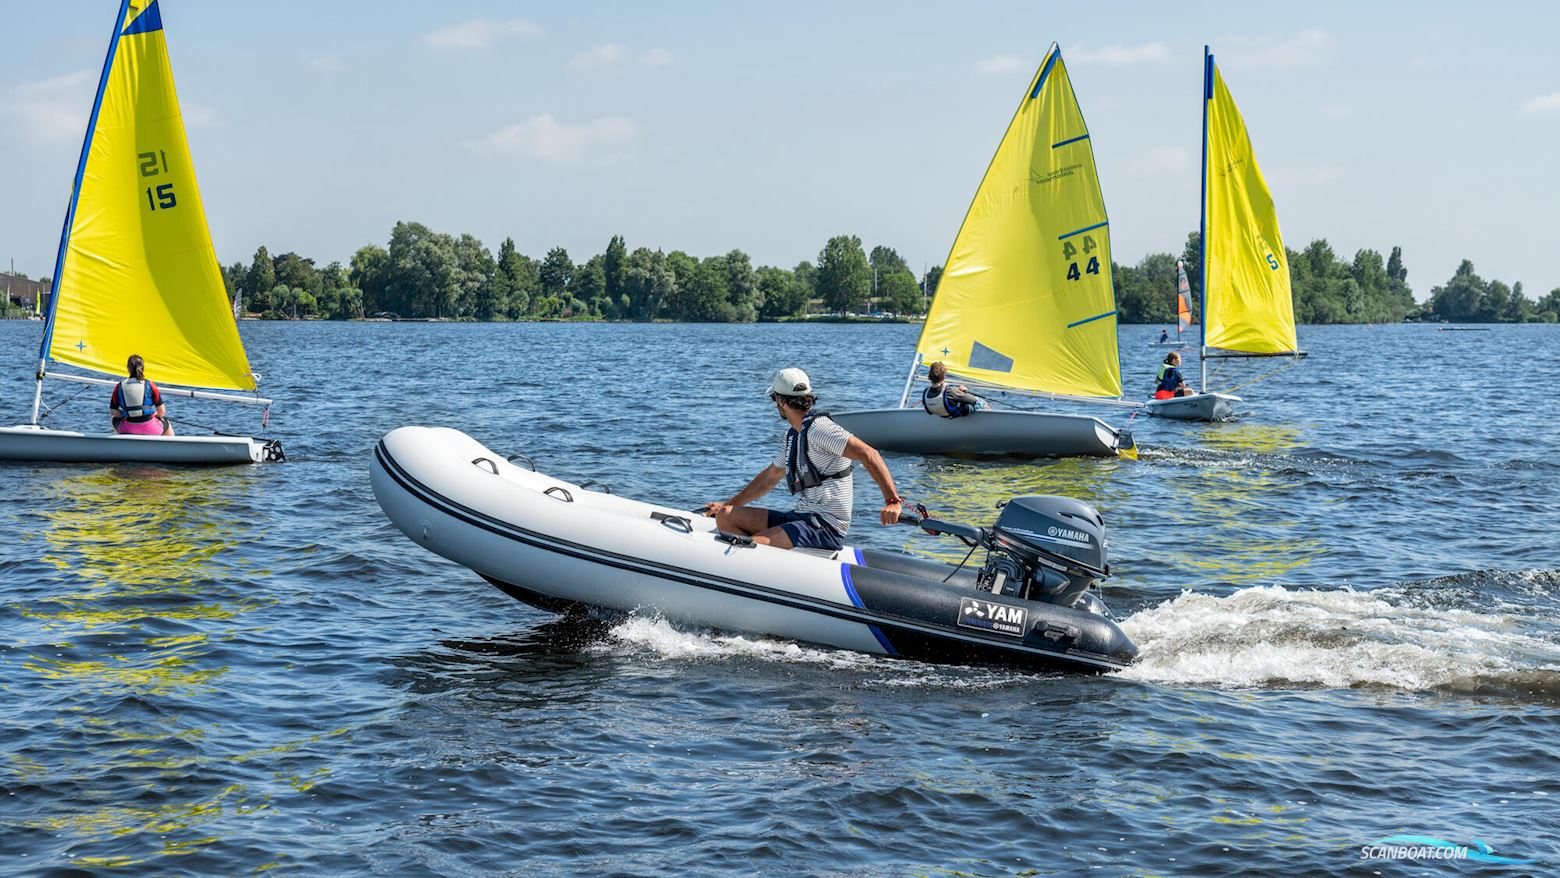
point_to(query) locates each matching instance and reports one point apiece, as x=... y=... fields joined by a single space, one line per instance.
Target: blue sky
x=704 y=126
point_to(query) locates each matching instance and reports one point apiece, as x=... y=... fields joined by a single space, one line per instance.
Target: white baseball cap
x=791 y=382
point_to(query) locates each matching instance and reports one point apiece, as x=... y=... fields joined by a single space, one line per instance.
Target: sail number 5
x=1069 y=250
x=157 y=197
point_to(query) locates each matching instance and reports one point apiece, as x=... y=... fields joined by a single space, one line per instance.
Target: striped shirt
x=831 y=500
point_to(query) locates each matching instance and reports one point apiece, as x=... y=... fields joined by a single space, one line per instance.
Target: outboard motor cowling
x=1046 y=548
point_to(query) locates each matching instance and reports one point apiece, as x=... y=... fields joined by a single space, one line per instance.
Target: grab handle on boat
x=741 y=541
x=492 y=467
x=567 y=497
x=518 y=456
x=605 y=488
x=675 y=522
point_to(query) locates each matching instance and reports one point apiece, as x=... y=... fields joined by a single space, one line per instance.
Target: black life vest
x=937 y=403
x=137 y=402
x=800 y=472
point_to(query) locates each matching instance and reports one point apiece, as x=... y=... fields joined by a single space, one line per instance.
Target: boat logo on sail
x=989 y=616
x=1038 y=177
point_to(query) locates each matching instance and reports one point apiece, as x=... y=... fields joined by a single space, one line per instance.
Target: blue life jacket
x=937 y=403
x=800 y=472
x=137 y=400
x=1169 y=378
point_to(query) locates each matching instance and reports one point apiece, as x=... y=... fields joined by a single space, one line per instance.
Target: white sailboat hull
x=28 y=442
x=1033 y=434
x=1197 y=407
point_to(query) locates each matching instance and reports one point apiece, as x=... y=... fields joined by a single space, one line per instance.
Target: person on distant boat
x=1164 y=336
x=136 y=407
x=815 y=461
x=947 y=402
x=1171 y=383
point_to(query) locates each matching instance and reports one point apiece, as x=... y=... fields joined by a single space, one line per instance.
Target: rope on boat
x=51 y=409
x=1266 y=375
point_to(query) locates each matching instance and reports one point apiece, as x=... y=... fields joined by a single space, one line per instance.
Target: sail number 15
x=1069 y=250
x=157 y=197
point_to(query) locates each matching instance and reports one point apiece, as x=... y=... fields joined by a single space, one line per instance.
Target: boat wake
x=655 y=635
x=664 y=641
x=1415 y=637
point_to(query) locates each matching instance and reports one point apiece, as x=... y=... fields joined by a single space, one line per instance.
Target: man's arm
x=872 y=462
x=962 y=394
x=762 y=484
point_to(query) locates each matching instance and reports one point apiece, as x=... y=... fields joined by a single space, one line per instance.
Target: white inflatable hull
x=28 y=442
x=993 y=432
x=1197 y=407
x=559 y=546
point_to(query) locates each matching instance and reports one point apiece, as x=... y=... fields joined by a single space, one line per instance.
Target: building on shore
x=30 y=295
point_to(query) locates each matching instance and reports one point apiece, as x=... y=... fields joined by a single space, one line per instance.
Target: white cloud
x=479 y=33
x=1166 y=159
x=52 y=111
x=1549 y=103
x=198 y=116
x=598 y=59
x=1307 y=48
x=595 y=141
x=1117 y=56
x=657 y=58
x=327 y=64
x=1001 y=65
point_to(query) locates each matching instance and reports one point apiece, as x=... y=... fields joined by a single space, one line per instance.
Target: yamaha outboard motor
x=1048 y=549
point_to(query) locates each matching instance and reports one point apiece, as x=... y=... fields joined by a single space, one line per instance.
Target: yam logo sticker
x=988 y=616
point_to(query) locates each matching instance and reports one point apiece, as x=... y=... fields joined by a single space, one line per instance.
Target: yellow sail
x=1247 y=304
x=137 y=272
x=1025 y=300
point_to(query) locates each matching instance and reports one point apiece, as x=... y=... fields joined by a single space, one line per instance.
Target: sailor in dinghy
x=816 y=460
x=136 y=406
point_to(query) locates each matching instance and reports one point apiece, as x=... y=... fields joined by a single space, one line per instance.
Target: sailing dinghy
x=1183 y=311
x=1247 y=307
x=136 y=271
x=1025 y=307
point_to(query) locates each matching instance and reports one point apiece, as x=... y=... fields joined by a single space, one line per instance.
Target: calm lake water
x=1347 y=603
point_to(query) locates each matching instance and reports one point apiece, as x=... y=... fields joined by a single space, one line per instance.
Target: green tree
x=844 y=278
x=516 y=279
x=1548 y=308
x=368 y=271
x=649 y=283
x=613 y=264
x=898 y=292
x=259 y=281
x=805 y=277
x=422 y=279
x=780 y=293
x=930 y=280
x=588 y=288
x=475 y=294
x=554 y=274
x=295 y=271
x=741 y=286
x=1460 y=298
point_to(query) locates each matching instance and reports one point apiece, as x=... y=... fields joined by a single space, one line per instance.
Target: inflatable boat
x=562 y=546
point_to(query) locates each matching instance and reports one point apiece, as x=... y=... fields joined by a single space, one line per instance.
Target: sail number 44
x=1070 y=250
x=159 y=197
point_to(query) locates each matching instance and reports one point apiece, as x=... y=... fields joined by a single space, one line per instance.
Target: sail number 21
x=1069 y=250
x=157 y=197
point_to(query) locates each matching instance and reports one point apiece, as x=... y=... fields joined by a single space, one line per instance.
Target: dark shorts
x=806 y=530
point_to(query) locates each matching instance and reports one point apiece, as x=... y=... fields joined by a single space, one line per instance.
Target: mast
x=1202 y=225
x=70 y=209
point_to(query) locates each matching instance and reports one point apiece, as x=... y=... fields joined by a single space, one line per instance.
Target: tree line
x=422 y=273
x=1330 y=289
